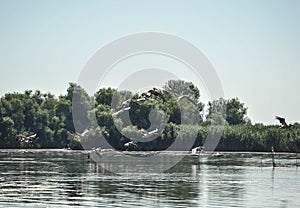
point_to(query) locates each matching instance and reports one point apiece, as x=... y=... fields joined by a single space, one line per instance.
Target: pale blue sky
x=253 y=45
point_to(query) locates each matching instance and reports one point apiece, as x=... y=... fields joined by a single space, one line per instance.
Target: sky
x=254 y=46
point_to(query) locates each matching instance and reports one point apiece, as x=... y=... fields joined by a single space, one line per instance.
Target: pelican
x=147 y=134
x=126 y=103
x=131 y=144
x=72 y=135
x=146 y=95
x=83 y=133
x=120 y=111
x=197 y=150
x=188 y=97
x=155 y=92
x=282 y=122
x=26 y=139
x=139 y=100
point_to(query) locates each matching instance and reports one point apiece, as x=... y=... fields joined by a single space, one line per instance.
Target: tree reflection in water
x=49 y=178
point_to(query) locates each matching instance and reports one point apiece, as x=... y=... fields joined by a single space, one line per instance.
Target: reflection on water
x=63 y=178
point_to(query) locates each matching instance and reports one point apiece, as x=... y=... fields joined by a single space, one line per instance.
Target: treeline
x=170 y=118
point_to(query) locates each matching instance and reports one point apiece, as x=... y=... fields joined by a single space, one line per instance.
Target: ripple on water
x=61 y=178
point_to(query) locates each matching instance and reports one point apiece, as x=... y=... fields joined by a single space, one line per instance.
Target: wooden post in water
x=273 y=157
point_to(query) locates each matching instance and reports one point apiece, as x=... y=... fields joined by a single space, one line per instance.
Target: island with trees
x=149 y=121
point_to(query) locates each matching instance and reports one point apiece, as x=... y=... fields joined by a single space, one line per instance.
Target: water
x=64 y=178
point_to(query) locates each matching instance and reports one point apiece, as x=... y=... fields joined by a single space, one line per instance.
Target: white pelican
x=26 y=139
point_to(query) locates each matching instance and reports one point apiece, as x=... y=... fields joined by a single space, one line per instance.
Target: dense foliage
x=154 y=121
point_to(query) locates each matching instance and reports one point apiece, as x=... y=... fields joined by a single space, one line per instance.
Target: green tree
x=75 y=107
x=232 y=111
x=235 y=112
x=180 y=87
x=216 y=112
x=105 y=96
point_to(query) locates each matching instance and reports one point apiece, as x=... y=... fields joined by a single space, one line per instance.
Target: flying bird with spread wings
x=72 y=135
x=188 y=97
x=154 y=91
x=26 y=139
x=283 y=122
x=131 y=144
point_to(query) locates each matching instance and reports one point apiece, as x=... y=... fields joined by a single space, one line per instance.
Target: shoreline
x=166 y=151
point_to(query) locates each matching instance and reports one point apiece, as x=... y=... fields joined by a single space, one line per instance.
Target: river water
x=65 y=178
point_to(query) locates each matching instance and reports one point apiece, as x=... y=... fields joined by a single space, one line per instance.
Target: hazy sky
x=253 y=45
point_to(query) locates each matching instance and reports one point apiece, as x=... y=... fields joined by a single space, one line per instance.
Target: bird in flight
x=26 y=139
x=154 y=92
x=85 y=132
x=188 y=97
x=120 y=111
x=282 y=122
x=130 y=144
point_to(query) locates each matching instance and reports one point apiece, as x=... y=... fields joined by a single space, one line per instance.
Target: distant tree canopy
x=180 y=87
x=154 y=119
x=231 y=111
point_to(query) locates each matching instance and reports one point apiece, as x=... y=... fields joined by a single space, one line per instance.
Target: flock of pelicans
x=150 y=94
x=125 y=106
x=133 y=144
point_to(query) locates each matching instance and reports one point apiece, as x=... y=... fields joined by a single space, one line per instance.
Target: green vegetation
x=154 y=120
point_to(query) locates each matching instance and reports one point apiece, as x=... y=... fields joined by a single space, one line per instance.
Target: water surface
x=65 y=178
